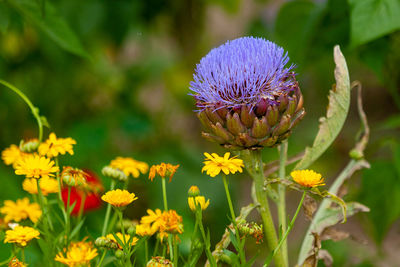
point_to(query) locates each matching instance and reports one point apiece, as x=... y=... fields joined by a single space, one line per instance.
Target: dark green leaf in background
x=380 y=190
x=51 y=24
x=371 y=19
x=294 y=26
x=4 y=17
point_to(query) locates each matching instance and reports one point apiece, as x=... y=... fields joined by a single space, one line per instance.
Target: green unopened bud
x=100 y=242
x=114 y=173
x=194 y=191
x=119 y=254
x=131 y=230
x=29 y=146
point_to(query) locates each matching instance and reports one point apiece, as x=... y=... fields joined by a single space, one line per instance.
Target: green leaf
x=371 y=19
x=338 y=107
x=380 y=190
x=295 y=25
x=51 y=24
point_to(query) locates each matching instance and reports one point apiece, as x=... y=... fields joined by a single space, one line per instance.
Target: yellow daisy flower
x=11 y=155
x=307 y=178
x=133 y=241
x=200 y=200
x=47 y=186
x=214 y=164
x=119 y=198
x=54 y=146
x=163 y=169
x=130 y=166
x=78 y=254
x=164 y=222
x=21 y=235
x=20 y=210
x=34 y=166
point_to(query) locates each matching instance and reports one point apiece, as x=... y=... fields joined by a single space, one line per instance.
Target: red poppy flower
x=92 y=197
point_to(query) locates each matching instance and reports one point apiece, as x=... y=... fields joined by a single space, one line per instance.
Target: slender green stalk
x=164 y=190
x=68 y=223
x=102 y=258
x=282 y=197
x=254 y=166
x=228 y=196
x=47 y=223
x=108 y=211
x=209 y=255
x=155 y=252
x=23 y=255
x=171 y=251
x=175 y=252
x=146 y=250
x=35 y=111
x=290 y=226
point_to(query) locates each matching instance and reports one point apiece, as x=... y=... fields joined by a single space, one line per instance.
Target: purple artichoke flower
x=245 y=94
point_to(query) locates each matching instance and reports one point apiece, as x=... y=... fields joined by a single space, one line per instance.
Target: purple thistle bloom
x=242 y=71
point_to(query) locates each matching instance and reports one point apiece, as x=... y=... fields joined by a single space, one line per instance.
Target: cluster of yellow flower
x=42 y=173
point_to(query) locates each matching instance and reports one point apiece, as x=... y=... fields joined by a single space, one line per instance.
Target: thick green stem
x=164 y=190
x=228 y=196
x=68 y=223
x=108 y=212
x=35 y=111
x=254 y=165
x=282 y=197
x=285 y=235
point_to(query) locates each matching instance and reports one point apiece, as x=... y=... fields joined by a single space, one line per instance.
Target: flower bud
x=159 y=262
x=119 y=254
x=29 y=146
x=194 y=191
x=114 y=173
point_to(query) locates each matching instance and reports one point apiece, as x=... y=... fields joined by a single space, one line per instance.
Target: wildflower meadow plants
x=248 y=100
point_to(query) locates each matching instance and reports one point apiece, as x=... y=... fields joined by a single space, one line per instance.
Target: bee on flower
x=125 y=239
x=54 y=146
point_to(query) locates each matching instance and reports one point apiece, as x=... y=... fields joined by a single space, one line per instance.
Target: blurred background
x=114 y=75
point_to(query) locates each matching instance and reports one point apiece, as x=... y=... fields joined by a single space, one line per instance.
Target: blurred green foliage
x=114 y=75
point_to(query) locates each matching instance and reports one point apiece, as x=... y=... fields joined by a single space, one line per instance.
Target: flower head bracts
x=241 y=72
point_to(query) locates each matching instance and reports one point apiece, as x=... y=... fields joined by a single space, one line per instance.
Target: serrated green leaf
x=338 y=107
x=371 y=19
x=51 y=24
